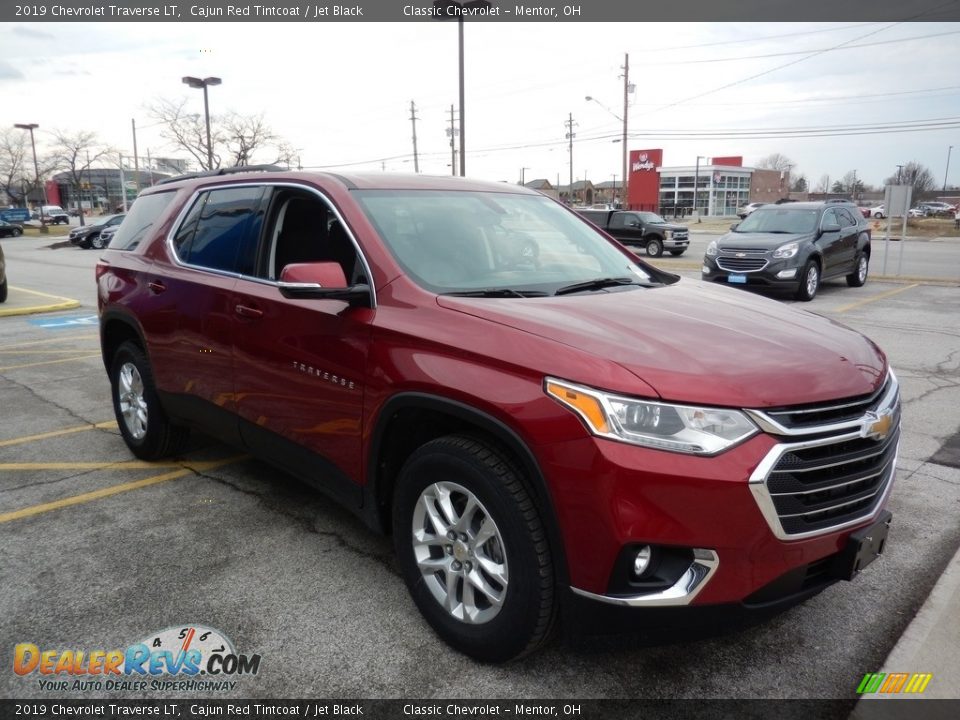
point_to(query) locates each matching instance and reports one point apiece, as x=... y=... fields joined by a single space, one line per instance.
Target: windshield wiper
x=600 y=283
x=497 y=293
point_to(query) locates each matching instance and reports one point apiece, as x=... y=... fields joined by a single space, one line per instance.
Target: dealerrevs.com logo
x=189 y=658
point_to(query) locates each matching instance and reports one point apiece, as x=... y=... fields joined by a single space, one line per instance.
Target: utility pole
x=453 y=132
x=899 y=171
x=570 y=135
x=626 y=105
x=523 y=170
x=136 y=160
x=947 y=171
x=413 y=121
x=123 y=185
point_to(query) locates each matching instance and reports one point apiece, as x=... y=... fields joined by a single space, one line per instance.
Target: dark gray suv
x=792 y=247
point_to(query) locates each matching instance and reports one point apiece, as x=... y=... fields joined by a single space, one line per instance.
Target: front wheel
x=96 y=242
x=17 y=232
x=809 y=282
x=859 y=276
x=472 y=549
x=143 y=424
x=654 y=248
x=879 y=215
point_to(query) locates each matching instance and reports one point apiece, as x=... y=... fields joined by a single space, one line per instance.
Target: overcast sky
x=341 y=92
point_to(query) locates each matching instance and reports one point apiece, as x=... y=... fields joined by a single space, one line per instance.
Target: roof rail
x=837 y=200
x=224 y=171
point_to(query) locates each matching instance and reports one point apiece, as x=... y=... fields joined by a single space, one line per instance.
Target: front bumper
x=783 y=502
x=775 y=275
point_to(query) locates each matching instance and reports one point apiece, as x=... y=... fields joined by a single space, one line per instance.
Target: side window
x=846 y=219
x=829 y=218
x=222 y=229
x=617 y=221
x=303 y=228
x=145 y=211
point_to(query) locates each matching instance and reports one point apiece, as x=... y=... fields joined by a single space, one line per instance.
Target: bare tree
x=823 y=184
x=917 y=175
x=75 y=153
x=776 y=161
x=236 y=138
x=18 y=177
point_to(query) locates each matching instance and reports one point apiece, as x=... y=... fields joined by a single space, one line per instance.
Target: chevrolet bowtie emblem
x=875 y=426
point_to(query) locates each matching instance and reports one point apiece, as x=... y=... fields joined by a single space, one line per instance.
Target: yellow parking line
x=47 y=362
x=106 y=492
x=116 y=465
x=57 y=433
x=881 y=296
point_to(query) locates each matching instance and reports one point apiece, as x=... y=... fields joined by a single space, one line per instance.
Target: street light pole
x=36 y=170
x=696 y=185
x=523 y=176
x=204 y=84
x=947 y=171
x=626 y=105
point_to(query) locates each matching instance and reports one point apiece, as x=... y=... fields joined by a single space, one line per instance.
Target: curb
x=61 y=303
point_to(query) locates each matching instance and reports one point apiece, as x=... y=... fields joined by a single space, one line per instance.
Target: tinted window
x=846 y=219
x=221 y=230
x=779 y=219
x=143 y=214
x=830 y=218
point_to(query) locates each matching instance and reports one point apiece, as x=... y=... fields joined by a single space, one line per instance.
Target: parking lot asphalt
x=101 y=550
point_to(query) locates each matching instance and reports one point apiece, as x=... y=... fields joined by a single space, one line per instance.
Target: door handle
x=248 y=312
x=156 y=286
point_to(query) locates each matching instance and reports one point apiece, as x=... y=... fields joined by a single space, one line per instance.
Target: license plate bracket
x=863 y=547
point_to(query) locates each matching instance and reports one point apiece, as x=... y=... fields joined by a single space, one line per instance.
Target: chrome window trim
x=682 y=592
x=240 y=276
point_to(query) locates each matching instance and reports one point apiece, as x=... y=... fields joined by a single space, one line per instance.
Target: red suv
x=547 y=425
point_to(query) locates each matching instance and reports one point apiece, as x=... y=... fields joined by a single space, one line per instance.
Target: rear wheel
x=17 y=232
x=143 y=424
x=3 y=291
x=859 y=276
x=654 y=247
x=809 y=281
x=472 y=549
x=96 y=242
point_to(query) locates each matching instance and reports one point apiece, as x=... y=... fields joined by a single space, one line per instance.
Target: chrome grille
x=744 y=264
x=830 y=475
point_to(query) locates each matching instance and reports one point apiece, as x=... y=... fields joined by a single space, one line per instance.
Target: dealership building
x=719 y=185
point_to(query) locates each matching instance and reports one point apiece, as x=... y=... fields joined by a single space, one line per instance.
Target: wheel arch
x=115 y=329
x=410 y=419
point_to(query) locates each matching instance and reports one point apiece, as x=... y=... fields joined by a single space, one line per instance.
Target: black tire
x=17 y=232
x=677 y=253
x=654 y=247
x=524 y=614
x=96 y=242
x=809 y=281
x=160 y=438
x=879 y=215
x=859 y=275
x=3 y=291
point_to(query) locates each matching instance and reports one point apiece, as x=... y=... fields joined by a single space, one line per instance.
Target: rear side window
x=221 y=230
x=136 y=225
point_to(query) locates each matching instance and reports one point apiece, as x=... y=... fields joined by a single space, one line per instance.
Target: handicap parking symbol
x=70 y=321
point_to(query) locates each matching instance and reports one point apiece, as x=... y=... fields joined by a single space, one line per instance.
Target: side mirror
x=830 y=228
x=734 y=226
x=321 y=281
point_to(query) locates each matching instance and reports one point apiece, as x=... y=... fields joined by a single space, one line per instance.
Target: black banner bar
x=320 y=11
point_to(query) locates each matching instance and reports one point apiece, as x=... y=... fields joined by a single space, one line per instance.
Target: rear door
x=830 y=242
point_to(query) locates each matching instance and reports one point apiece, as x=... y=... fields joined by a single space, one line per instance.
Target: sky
x=340 y=93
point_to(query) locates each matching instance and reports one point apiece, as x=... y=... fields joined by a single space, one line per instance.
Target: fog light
x=705 y=270
x=787 y=274
x=642 y=560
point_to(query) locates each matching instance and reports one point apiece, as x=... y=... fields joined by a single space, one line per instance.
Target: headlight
x=786 y=251
x=677 y=428
x=712 y=248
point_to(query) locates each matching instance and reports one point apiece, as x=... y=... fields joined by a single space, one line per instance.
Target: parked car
x=646 y=229
x=3 y=277
x=745 y=210
x=938 y=208
x=106 y=235
x=878 y=212
x=579 y=429
x=917 y=212
x=10 y=229
x=87 y=236
x=792 y=247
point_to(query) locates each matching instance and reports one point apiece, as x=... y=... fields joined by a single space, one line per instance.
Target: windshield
x=502 y=244
x=779 y=220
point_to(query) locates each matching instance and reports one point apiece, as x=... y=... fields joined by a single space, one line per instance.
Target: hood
x=670 y=226
x=697 y=343
x=759 y=241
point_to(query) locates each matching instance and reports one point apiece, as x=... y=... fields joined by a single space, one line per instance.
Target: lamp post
x=36 y=169
x=523 y=170
x=696 y=185
x=204 y=84
x=449 y=10
x=947 y=171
